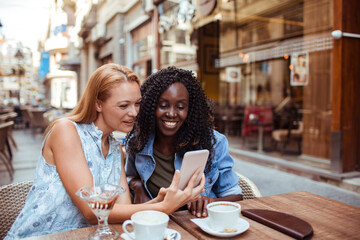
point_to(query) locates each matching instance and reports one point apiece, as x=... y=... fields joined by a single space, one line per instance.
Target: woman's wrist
x=164 y=207
x=155 y=200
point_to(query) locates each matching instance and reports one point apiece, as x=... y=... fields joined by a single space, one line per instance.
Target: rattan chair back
x=12 y=201
x=249 y=189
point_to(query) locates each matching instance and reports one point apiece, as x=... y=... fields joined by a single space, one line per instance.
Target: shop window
x=180 y=36
x=143 y=68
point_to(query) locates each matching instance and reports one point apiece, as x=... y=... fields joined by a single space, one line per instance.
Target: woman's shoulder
x=63 y=122
x=221 y=141
x=218 y=135
x=63 y=126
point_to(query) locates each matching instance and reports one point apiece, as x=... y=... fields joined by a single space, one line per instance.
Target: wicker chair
x=249 y=189
x=12 y=201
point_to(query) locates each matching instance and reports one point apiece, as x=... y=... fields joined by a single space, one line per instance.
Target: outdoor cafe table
x=330 y=219
x=83 y=233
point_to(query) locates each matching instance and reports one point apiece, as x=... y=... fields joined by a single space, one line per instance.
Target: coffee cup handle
x=130 y=234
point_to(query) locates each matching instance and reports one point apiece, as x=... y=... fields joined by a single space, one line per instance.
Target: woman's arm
x=124 y=198
x=63 y=148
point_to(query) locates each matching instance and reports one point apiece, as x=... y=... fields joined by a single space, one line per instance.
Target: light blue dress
x=48 y=207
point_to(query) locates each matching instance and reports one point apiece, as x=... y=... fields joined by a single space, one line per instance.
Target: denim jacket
x=220 y=181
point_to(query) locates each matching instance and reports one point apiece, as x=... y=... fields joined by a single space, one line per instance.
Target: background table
x=330 y=219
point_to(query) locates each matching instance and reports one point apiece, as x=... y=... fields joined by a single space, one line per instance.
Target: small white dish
x=203 y=223
x=168 y=231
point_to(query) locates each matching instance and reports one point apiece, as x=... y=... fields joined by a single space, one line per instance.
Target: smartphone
x=192 y=160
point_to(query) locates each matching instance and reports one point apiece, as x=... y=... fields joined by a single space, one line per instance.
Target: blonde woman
x=79 y=150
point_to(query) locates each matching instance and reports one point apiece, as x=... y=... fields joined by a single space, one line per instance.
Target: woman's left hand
x=198 y=208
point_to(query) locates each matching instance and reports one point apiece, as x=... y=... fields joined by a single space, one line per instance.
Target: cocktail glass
x=101 y=200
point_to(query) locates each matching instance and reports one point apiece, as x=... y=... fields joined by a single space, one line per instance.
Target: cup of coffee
x=147 y=225
x=223 y=216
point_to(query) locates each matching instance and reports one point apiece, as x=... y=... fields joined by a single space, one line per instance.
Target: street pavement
x=270 y=181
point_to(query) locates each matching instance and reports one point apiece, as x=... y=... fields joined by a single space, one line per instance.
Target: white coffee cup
x=147 y=225
x=223 y=215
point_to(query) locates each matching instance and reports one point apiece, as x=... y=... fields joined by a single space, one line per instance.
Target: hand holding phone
x=192 y=160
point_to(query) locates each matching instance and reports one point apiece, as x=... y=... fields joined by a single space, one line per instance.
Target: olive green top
x=163 y=172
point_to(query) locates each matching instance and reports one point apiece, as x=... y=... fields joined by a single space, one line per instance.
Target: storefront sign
x=299 y=69
x=44 y=64
x=233 y=74
x=207 y=6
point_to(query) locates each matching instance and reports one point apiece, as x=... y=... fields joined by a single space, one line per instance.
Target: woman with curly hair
x=175 y=117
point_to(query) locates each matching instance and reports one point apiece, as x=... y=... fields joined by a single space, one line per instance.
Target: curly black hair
x=197 y=130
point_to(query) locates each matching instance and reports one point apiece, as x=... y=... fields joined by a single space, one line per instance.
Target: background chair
x=256 y=117
x=249 y=189
x=5 y=150
x=8 y=117
x=38 y=120
x=285 y=136
x=26 y=117
x=12 y=201
x=11 y=116
x=290 y=127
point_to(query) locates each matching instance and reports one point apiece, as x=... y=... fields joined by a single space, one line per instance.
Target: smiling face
x=172 y=110
x=119 y=110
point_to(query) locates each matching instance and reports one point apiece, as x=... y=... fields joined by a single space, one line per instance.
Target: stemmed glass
x=101 y=200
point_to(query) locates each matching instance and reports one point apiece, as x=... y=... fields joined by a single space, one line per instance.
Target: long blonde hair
x=98 y=88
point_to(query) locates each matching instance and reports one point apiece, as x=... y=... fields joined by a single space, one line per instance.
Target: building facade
x=257 y=54
x=120 y=32
x=60 y=44
x=17 y=76
x=249 y=55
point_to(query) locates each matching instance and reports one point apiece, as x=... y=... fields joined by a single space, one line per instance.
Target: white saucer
x=168 y=231
x=203 y=223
